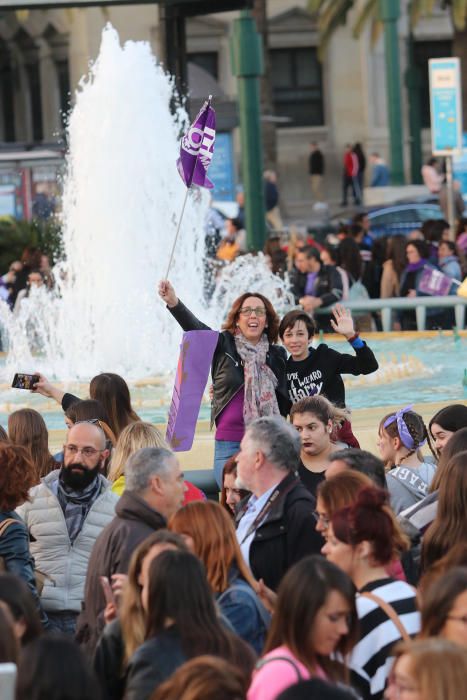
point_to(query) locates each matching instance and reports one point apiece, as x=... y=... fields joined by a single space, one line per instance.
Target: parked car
x=396 y=219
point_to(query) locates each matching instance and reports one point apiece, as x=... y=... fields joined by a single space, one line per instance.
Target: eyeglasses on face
x=248 y=310
x=87 y=452
x=319 y=517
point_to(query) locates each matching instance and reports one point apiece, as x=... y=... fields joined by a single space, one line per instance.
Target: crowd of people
x=319 y=570
x=360 y=267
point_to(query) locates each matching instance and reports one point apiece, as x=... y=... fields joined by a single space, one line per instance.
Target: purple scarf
x=310 y=283
x=413 y=267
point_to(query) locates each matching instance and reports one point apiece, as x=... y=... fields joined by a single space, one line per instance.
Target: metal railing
x=420 y=304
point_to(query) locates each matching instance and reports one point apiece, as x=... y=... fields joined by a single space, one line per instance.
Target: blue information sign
x=445 y=106
x=221 y=170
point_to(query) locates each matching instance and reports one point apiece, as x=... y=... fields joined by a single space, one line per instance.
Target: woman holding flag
x=248 y=369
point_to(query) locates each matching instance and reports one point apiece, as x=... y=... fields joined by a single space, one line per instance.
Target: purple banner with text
x=194 y=362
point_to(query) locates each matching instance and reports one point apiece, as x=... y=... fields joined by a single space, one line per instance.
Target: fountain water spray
x=121 y=201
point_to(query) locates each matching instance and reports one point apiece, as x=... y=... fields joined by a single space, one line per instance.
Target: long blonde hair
x=132 y=438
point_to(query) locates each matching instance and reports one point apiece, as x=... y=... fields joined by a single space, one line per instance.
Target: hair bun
x=371 y=497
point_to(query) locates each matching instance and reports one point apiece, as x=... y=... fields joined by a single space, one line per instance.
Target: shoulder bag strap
x=263 y=662
x=6 y=524
x=390 y=612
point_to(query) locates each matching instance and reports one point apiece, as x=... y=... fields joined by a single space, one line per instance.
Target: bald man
x=66 y=513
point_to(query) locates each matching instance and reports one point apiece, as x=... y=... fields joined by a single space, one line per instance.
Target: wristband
x=354 y=337
x=356 y=342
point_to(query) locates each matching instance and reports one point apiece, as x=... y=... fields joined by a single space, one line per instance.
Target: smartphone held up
x=25 y=381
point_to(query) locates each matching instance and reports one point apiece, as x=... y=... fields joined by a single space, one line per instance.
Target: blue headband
x=406 y=438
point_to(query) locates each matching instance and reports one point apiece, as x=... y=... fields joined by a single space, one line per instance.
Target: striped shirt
x=370 y=661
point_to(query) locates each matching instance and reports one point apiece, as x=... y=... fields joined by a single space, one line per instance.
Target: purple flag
x=194 y=362
x=434 y=282
x=197 y=147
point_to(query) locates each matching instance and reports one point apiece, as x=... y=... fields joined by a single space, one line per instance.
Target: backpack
x=358 y=292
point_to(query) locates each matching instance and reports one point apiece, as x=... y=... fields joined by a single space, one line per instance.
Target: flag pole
x=176 y=235
x=183 y=209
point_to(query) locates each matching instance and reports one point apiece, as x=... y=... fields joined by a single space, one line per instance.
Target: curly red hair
x=17 y=475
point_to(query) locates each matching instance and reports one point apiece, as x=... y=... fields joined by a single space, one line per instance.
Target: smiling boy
x=318 y=370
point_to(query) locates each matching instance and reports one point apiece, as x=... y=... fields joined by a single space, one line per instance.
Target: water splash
x=250 y=273
x=121 y=201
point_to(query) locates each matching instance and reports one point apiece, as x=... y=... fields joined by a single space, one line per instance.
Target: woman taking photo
x=108 y=388
x=210 y=534
x=248 y=369
x=363 y=540
x=314 y=618
x=444 y=607
x=181 y=624
x=429 y=669
x=400 y=437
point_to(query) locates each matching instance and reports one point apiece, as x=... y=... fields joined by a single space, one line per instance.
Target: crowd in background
x=314 y=569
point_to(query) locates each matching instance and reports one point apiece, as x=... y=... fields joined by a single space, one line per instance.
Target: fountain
x=122 y=197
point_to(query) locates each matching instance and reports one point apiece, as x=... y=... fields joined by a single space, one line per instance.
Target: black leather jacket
x=227 y=367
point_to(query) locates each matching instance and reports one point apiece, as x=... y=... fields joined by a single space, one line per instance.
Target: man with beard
x=66 y=513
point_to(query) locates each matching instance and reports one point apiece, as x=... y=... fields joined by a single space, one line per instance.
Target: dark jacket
x=152 y=663
x=227 y=368
x=321 y=372
x=16 y=557
x=111 y=554
x=316 y=163
x=286 y=535
x=328 y=285
x=297 y=283
x=108 y=662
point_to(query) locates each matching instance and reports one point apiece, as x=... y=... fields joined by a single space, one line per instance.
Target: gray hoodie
x=409 y=485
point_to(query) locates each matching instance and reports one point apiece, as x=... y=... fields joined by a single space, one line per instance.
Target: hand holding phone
x=24 y=381
x=107 y=589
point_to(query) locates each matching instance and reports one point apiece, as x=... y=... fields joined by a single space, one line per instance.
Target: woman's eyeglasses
x=248 y=310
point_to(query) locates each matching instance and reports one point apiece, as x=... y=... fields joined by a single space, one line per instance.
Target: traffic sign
x=445 y=106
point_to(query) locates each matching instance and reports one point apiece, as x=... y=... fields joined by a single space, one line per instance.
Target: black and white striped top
x=371 y=661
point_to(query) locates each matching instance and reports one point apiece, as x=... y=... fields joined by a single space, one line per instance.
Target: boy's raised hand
x=343 y=321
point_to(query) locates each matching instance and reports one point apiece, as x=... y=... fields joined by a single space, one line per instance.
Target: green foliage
x=333 y=13
x=15 y=235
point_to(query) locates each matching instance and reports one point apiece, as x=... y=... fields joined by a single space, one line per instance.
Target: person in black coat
x=181 y=624
x=276 y=525
x=248 y=369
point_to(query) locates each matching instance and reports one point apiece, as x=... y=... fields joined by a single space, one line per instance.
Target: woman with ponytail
x=363 y=539
x=400 y=437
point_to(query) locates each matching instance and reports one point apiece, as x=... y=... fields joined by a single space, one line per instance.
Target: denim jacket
x=14 y=550
x=244 y=611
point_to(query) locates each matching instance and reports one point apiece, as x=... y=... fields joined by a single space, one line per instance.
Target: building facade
x=45 y=53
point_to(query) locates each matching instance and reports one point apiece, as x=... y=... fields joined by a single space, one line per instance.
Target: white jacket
x=54 y=555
